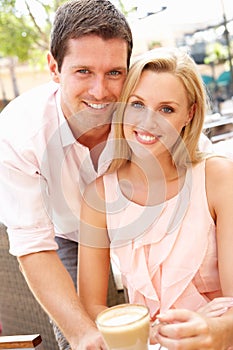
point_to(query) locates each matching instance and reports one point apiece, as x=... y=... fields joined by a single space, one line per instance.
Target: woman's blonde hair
x=178 y=62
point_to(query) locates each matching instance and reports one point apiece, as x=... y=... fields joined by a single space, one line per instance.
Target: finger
x=182 y=330
x=218 y=305
x=222 y=302
x=192 y=343
x=186 y=328
x=176 y=315
x=153 y=333
x=215 y=313
x=155 y=323
x=223 y=299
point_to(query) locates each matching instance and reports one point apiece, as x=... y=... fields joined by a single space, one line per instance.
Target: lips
x=97 y=106
x=146 y=138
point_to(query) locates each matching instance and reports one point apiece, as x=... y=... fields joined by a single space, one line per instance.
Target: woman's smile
x=145 y=137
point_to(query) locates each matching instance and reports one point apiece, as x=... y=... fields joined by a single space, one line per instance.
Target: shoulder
x=101 y=184
x=219 y=167
x=93 y=204
x=219 y=182
x=94 y=195
x=219 y=187
x=28 y=114
x=29 y=104
x=97 y=192
x=36 y=95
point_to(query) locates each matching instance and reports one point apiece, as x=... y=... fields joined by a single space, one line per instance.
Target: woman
x=164 y=209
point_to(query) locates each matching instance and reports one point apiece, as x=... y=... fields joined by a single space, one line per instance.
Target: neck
x=95 y=140
x=151 y=181
x=157 y=168
x=95 y=137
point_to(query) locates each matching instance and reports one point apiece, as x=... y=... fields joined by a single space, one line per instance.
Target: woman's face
x=156 y=112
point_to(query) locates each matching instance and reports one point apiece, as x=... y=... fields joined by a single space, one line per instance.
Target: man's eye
x=83 y=71
x=114 y=73
x=137 y=104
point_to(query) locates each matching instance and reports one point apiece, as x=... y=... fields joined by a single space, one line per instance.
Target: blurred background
x=204 y=28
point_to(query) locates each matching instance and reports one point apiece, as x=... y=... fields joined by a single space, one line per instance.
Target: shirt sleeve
x=24 y=204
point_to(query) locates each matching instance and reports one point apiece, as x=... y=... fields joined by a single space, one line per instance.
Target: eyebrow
x=163 y=102
x=80 y=66
x=136 y=96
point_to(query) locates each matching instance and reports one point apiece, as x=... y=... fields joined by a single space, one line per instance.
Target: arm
x=31 y=237
x=52 y=286
x=94 y=252
x=194 y=330
x=216 y=307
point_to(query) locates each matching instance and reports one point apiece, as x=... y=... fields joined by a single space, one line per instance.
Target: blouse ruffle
x=165 y=252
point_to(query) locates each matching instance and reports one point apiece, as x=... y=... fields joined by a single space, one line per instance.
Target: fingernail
x=155 y=323
x=160 y=316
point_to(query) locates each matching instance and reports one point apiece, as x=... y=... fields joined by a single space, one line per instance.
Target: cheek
x=171 y=132
x=75 y=85
x=133 y=117
x=175 y=127
x=115 y=88
x=127 y=130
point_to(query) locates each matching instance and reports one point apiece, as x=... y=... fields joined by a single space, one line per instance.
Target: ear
x=192 y=111
x=53 y=68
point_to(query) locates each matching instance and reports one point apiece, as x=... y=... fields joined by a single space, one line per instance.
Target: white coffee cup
x=125 y=327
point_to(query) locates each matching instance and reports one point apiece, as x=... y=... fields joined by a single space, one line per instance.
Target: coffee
x=125 y=327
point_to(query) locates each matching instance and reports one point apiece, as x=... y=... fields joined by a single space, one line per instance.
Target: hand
x=188 y=330
x=153 y=332
x=216 y=307
x=92 y=340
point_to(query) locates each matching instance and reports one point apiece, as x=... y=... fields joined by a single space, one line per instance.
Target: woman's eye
x=167 y=109
x=137 y=104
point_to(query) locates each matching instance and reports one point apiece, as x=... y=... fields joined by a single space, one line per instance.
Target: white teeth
x=146 y=138
x=97 y=106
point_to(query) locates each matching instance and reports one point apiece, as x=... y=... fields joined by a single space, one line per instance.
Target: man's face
x=92 y=76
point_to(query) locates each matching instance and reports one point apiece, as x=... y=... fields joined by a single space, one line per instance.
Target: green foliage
x=23 y=34
x=16 y=38
x=216 y=53
x=153 y=44
x=123 y=9
x=25 y=29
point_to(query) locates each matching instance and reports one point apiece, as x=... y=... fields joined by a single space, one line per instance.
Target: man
x=53 y=141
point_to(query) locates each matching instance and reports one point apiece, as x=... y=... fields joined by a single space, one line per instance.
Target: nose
x=150 y=120
x=98 y=88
